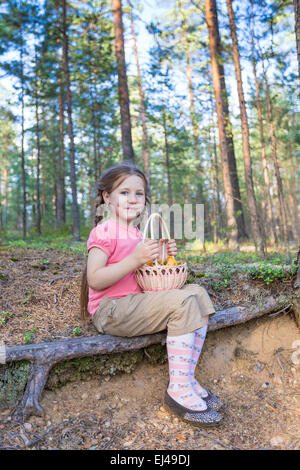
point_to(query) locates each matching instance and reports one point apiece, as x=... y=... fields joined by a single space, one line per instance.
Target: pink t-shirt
x=117 y=240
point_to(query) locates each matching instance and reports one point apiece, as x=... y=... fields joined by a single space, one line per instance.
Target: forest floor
x=250 y=366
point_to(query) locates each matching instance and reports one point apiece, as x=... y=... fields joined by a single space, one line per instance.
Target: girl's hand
x=170 y=246
x=145 y=251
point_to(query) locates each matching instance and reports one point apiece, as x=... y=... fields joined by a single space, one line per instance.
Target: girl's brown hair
x=109 y=181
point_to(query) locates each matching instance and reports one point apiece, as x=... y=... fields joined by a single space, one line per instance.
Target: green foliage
x=77 y=331
x=220 y=285
x=30 y=296
x=4 y=316
x=28 y=335
x=269 y=273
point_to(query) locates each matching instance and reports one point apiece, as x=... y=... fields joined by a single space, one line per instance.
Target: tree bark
x=37 y=120
x=22 y=145
x=255 y=225
x=142 y=102
x=221 y=108
x=213 y=187
x=289 y=204
x=167 y=153
x=293 y=193
x=60 y=177
x=1 y=209
x=75 y=208
x=270 y=211
x=297 y=30
x=128 y=153
x=283 y=213
x=170 y=195
x=200 y=195
x=5 y=175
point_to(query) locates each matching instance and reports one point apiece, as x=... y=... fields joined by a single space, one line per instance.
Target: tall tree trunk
x=212 y=14
x=283 y=213
x=142 y=102
x=270 y=216
x=95 y=165
x=170 y=193
x=267 y=200
x=255 y=225
x=292 y=228
x=216 y=166
x=219 y=89
x=22 y=149
x=200 y=195
x=293 y=195
x=122 y=82
x=213 y=187
x=221 y=222
x=96 y=133
x=60 y=177
x=75 y=208
x=37 y=120
x=297 y=30
x=5 y=173
x=1 y=209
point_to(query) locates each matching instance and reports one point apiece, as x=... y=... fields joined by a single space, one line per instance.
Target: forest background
x=202 y=95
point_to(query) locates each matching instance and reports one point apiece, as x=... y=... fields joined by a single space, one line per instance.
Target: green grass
x=230 y=257
x=192 y=252
x=46 y=243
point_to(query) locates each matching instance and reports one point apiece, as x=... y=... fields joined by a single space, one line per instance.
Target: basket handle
x=163 y=225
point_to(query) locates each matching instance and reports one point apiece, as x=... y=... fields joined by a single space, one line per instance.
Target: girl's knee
x=194 y=288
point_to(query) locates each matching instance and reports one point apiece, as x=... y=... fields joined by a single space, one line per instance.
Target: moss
x=13 y=379
x=156 y=354
x=13 y=376
x=88 y=367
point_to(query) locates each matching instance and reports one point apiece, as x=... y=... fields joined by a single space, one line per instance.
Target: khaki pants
x=180 y=311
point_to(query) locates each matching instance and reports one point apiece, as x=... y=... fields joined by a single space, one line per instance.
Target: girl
x=111 y=296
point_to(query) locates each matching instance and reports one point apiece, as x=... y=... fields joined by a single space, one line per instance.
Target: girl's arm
x=100 y=276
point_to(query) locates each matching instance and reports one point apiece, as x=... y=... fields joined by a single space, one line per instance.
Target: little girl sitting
x=113 y=299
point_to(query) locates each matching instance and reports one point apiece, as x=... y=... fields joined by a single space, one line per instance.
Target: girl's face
x=128 y=200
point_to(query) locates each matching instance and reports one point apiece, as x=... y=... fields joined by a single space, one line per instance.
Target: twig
x=25 y=439
x=279 y=311
x=10 y=448
x=107 y=444
x=278 y=359
x=67 y=421
x=147 y=354
x=216 y=441
x=63 y=286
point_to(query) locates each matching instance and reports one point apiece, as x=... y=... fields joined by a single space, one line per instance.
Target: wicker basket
x=160 y=277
